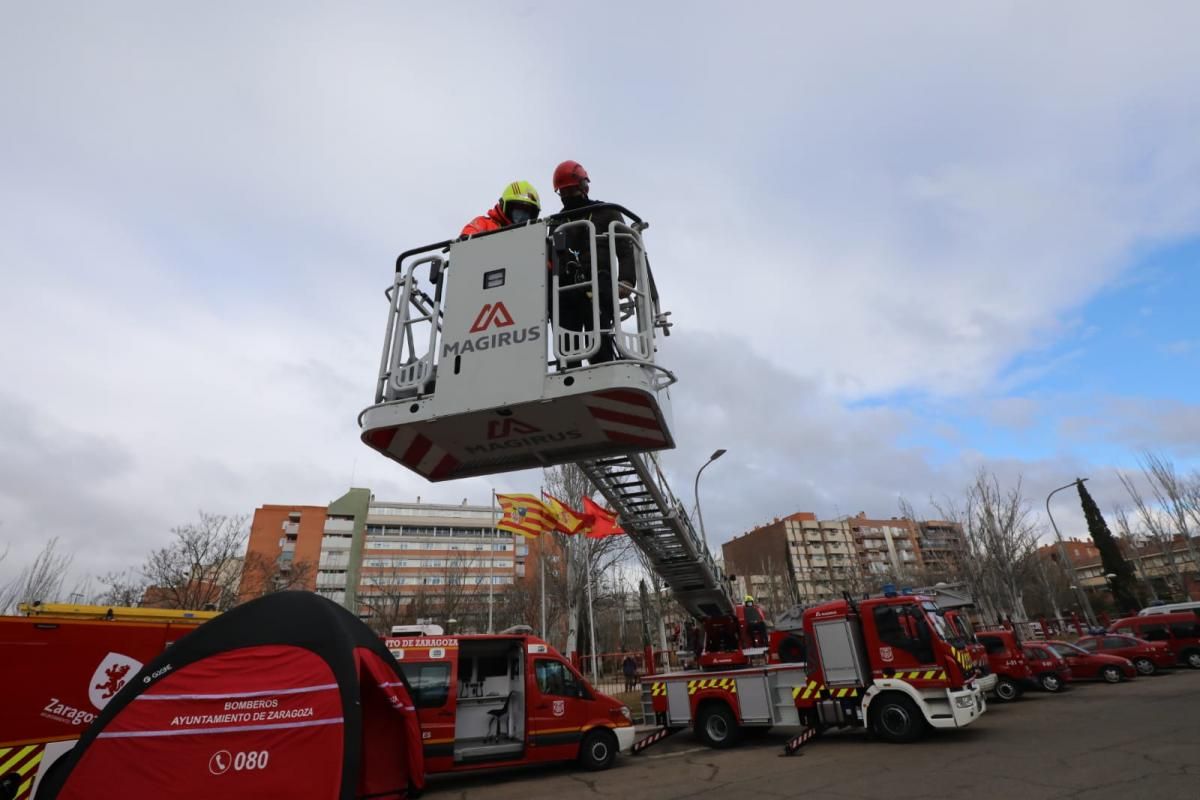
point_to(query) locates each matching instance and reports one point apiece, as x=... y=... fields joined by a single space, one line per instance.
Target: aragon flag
x=566 y=519
x=601 y=522
x=523 y=514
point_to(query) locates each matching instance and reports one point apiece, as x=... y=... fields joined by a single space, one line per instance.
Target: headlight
x=966 y=701
x=627 y=713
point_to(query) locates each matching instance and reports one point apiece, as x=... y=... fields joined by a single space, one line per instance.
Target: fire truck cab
x=970 y=652
x=507 y=700
x=65 y=663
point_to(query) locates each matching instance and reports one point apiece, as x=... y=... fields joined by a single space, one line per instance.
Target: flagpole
x=491 y=561
x=591 y=614
x=542 y=570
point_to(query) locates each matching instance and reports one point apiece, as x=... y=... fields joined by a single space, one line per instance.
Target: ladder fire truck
x=469 y=385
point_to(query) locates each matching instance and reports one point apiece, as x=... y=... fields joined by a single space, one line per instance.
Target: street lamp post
x=696 y=492
x=1080 y=593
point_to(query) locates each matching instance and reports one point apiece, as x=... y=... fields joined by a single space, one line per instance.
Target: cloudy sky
x=898 y=244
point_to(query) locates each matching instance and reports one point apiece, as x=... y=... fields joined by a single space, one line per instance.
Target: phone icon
x=220 y=762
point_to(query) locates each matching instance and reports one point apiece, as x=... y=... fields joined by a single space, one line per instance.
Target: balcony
x=291 y=528
x=338 y=543
x=339 y=526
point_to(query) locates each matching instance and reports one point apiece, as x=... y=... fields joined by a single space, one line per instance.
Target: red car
x=1148 y=657
x=1181 y=632
x=1050 y=670
x=1087 y=666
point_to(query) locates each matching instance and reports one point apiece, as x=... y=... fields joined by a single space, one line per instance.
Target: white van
x=1170 y=608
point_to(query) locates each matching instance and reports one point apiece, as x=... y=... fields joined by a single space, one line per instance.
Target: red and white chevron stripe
x=415 y=451
x=626 y=416
x=23 y=760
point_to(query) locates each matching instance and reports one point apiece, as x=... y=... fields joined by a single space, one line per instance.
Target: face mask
x=519 y=214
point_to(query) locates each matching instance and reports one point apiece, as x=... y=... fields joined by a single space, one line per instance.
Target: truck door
x=433 y=692
x=557 y=709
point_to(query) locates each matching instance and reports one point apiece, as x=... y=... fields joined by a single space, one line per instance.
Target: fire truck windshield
x=937 y=622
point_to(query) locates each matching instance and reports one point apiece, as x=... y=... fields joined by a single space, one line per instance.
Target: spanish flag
x=566 y=519
x=524 y=514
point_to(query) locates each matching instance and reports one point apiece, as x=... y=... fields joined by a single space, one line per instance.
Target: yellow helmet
x=749 y=600
x=520 y=192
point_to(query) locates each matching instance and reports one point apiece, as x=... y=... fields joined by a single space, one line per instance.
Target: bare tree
x=584 y=557
x=124 y=588
x=1001 y=544
x=1158 y=531
x=1132 y=543
x=41 y=581
x=201 y=568
x=1176 y=497
x=263 y=575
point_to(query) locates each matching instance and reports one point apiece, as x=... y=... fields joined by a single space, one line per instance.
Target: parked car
x=1087 y=666
x=1148 y=657
x=1180 y=631
x=1050 y=670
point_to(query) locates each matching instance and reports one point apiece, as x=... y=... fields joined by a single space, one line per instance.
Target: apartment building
x=379 y=558
x=886 y=547
x=809 y=560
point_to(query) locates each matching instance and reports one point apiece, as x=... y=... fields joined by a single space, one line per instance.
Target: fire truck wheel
x=1144 y=666
x=895 y=718
x=598 y=749
x=717 y=726
x=1007 y=690
x=1050 y=682
x=1111 y=674
x=1192 y=657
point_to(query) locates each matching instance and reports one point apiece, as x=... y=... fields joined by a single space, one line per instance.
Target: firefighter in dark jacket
x=571 y=182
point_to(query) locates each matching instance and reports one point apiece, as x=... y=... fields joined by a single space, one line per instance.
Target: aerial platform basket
x=479 y=375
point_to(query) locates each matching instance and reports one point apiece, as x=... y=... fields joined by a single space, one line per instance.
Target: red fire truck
x=507 y=700
x=883 y=663
x=62 y=664
x=972 y=654
x=1007 y=660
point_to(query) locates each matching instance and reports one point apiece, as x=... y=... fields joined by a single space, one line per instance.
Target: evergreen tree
x=1111 y=559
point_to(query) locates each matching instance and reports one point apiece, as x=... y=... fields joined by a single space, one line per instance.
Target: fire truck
x=83 y=656
x=884 y=663
x=505 y=700
x=976 y=657
x=478 y=375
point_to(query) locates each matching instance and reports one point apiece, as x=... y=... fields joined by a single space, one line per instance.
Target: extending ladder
x=657 y=525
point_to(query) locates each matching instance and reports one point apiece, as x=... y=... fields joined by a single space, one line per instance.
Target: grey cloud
x=200 y=209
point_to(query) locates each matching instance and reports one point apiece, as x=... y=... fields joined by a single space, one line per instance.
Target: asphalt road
x=1095 y=741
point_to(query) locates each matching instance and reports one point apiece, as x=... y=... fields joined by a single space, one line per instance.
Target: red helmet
x=569 y=173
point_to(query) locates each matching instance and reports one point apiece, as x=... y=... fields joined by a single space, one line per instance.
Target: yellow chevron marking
x=929 y=674
x=942 y=675
x=24 y=751
x=30 y=764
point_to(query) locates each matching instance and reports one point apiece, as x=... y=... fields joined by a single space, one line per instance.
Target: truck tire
x=1007 y=690
x=1192 y=658
x=895 y=718
x=1050 y=682
x=1144 y=666
x=598 y=749
x=717 y=727
x=1111 y=674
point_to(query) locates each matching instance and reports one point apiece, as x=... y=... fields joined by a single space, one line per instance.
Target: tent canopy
x=289 y=695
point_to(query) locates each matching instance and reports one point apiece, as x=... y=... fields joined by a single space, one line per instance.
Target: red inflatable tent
x=287 y=696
